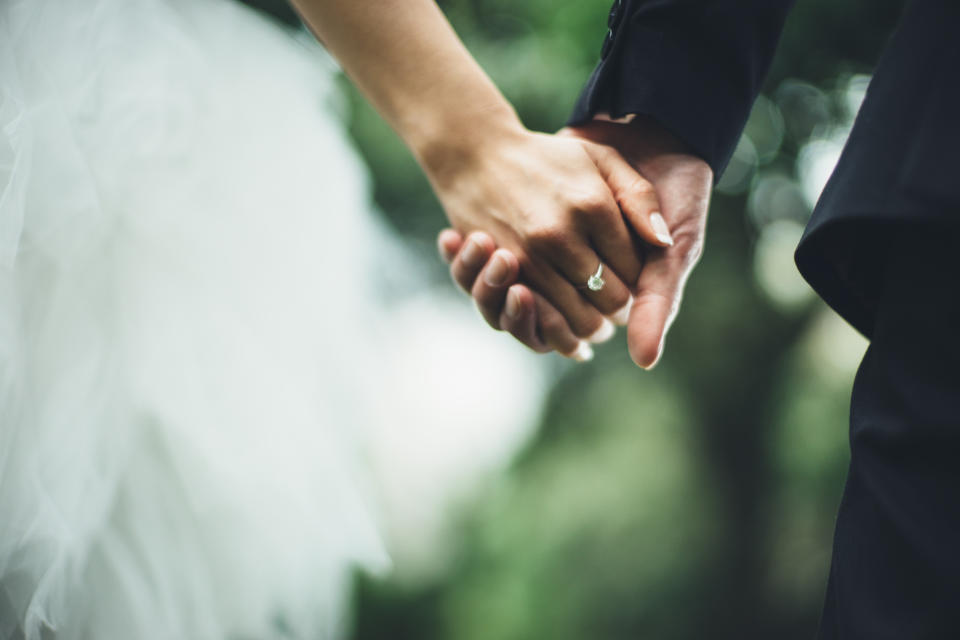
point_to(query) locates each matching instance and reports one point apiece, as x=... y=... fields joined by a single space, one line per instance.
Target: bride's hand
x=548 y=200
x=545 y=198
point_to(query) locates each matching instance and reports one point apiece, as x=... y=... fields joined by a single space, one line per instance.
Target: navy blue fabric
x=899 y=165
x=882 y=248
x=695 y=65
x=895 y=572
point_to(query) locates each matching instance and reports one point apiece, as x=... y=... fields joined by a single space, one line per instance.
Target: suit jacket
x=697 y=67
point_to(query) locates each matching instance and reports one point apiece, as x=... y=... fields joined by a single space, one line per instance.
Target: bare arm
x=406 y=59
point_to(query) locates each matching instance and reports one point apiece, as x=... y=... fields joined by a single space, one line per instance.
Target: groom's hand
x=682 y=183
x=490 y=276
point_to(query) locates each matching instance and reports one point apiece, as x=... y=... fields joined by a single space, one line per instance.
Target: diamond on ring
x=595 y=282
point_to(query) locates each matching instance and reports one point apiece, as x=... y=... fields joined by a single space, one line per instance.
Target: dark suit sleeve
x=696 y=66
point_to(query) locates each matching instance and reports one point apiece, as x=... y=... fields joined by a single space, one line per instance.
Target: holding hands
x=663 y=192
x=553 y=203
x=625 y=204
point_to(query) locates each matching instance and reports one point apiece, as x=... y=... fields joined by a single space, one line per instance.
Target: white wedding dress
x=198 y=348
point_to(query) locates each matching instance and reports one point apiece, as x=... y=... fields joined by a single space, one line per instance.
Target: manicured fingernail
x=604 y=333
x=584 y=352
x=496 y=272
x=472 y=254
x=512 y=307
x=660 y=228
x=620 y=317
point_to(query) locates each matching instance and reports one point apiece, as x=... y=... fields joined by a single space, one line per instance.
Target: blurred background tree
x=698 y=500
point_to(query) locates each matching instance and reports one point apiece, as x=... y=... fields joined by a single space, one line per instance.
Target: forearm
x=542 y=197
x=407 y=60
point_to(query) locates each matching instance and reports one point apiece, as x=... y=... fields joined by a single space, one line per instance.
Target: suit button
x=615 y=11
x=607 y=44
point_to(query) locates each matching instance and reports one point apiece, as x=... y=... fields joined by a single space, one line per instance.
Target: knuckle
x=696 y=251
x=546 y=236
x=692 y=247
x=553 y=325
x=592 y=200
x=587 y=326
x=642 y=189
x=617 y=300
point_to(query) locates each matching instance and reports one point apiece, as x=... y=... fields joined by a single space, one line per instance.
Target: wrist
x=448 y=148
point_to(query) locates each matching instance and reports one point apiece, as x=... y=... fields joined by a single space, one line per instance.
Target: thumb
x=658 y=294
x=635 y=194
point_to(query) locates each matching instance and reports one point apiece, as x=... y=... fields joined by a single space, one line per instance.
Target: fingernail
x=512 y=307
x=660 y=228
x=620 y=317
x=604 y=333
x=472 y=254
x=655 y=362
x=444 y=252
x=584 y=352
x=496 y=272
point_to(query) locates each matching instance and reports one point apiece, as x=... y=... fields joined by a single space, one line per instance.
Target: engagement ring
x=595 y=282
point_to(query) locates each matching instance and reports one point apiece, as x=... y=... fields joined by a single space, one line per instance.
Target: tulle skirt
x=193 y=342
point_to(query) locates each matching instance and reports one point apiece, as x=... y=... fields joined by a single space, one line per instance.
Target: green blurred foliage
x=698 y=500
